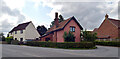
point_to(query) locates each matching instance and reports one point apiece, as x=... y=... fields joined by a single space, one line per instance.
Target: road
x=28 y=51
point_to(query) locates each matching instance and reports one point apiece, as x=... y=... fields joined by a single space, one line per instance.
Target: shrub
x=108 y=43
x=89 y=36
x=65 y=45
x=16 y=42
x=69 y=37
x=9 y=39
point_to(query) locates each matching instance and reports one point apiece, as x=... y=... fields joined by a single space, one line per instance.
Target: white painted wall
x=31 y=32
x=19 y=35
x=10 y=34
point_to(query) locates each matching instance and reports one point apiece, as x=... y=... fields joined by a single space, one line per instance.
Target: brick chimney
x=106 y=16
x=56 y=23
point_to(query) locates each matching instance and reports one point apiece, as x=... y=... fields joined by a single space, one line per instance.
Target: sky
x=89 y=13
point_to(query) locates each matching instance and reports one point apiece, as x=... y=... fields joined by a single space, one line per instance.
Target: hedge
x=15 y=42
x=108 y=43
x=66 y=45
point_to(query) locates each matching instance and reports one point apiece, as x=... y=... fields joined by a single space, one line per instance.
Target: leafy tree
x=60 y=19
x=8 y=39
x=88 y=36
x=41 y=29
x=69 y=37
x=2 y=37
x=52 y=23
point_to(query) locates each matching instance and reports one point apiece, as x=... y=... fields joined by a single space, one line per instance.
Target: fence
x=108 y=39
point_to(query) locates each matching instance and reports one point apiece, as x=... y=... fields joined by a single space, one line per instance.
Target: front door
x=21 y=39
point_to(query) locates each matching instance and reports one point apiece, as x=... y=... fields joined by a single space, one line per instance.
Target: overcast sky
x=90 y=14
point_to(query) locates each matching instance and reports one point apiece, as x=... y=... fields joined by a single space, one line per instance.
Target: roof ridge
x=114 y=19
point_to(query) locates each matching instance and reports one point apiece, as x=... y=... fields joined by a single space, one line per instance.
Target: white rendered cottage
x=24 y=31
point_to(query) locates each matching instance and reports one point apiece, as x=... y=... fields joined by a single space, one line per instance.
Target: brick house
x=55 y=33
x=109 y=29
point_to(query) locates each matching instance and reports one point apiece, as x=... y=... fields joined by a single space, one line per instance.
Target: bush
x=16 y=42
x=9 y=39
x=69 y=37
x=108 y=43
x=66 y=45
x=89 y=36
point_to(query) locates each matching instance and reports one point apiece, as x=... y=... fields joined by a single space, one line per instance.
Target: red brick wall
x=107 y=28
x=119 y=30
x=48 y=36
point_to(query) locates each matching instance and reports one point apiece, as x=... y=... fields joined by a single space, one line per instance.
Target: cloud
x=9 y=17
x=15 y=12
x=89 y=14
x=5 y=26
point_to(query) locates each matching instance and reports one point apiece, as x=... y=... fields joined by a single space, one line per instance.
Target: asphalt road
x=28 y=51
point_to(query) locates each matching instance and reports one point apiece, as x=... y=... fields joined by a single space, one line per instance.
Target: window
x=11 y=33
x=15 y=38
x=72 y=28
x=21 y=31
x=47 y=39
x=15 y=32
x=21 y=39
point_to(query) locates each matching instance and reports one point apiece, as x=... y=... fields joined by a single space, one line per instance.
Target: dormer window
x=15 y=32
x=21 y=31
x=72 y=28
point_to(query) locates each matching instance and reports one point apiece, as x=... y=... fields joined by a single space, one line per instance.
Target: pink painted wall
x=60 y=36
x=67 y=29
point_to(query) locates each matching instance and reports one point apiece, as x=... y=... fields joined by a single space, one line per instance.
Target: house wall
x=67 y=29
x=119 y=33
x=119 y=30
x=31 y=32
x=19 y=35
x=48 y=36
x=60 y=36
x=107 y=28
x=10 y=34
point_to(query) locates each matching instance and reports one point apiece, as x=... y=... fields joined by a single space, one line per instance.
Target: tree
x=69 y=37
x=2 y=37
x=60 y=19
x=41 y=29
x=88 y=36
x=9 y=39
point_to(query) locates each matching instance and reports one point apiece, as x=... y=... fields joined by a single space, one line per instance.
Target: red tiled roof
x=62 y=24
x=20 y=27
x=95 y=30
x=115 y=22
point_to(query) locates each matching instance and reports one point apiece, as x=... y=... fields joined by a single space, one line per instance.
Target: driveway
x=28 y=51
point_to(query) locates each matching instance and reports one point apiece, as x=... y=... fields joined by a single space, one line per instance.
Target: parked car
x=24 y=42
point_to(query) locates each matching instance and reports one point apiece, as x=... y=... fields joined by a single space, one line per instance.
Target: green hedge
x=15 y=42
x=66 y=45
x=108 y=43
x=8 y=39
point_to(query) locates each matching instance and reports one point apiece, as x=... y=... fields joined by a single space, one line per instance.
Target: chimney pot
x=56 y=14
x=106 y=16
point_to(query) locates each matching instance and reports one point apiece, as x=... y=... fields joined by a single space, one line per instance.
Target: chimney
x=106 y=16
x=56 y=23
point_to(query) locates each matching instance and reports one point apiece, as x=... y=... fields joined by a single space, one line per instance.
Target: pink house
x=55 y=33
